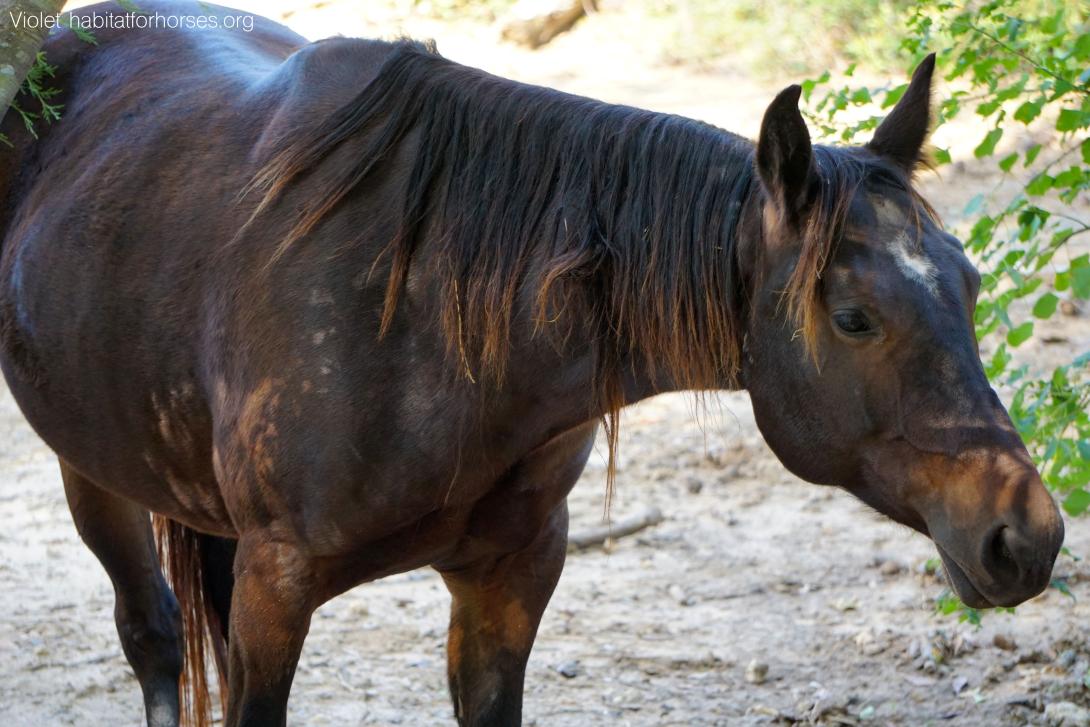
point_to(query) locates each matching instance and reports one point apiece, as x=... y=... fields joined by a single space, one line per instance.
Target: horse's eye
x=852 y=322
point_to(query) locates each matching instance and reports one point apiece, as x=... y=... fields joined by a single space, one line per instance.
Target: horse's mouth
x=961 y=584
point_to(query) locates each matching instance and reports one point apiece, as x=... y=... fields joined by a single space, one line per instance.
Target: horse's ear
x=901 y=135
x=785 y=160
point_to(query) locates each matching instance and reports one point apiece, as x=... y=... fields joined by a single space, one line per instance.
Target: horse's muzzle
x=1011 y=559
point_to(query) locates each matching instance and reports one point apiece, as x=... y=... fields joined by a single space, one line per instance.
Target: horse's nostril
x=1002 y=558
x=999 y=547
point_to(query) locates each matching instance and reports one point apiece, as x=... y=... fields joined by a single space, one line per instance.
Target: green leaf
x=999 y=362
x=1008 y=161
x=1080 y=281
x=1072 y=119
x=1063 y=281
x=1082 y=47
x=1085 y=146
x=74 y=24
x=861 y=96
x=1045 y=305
x=1060 y=584
x=1028 y=111
x=942 y=156
x=1039 y=185
x=810 y=84
x=894 y=95
x=974 y=205
x=1077 y=502
x=1069 y=178
x=987 y=146
x=1020 y=334
x=1032 y=153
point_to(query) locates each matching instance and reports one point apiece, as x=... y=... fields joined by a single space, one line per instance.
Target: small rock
x=1066 y=714
x=678 y=594
x=764 y=710
x=890 y=568
x=1066 y=660
x=694 y=486
x=756 y=672
x=1036 y=656
x=1004 y=642
x=1068 y=308
x=959 y=683
x=846 y=604
x=569 y=669
x=1024 y=700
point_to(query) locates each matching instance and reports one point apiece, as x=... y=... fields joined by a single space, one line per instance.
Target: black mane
x=621 y=220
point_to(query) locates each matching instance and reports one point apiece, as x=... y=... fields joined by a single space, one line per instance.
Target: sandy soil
x=749 y=564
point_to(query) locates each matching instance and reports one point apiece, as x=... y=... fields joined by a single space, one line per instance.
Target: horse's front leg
x=497 y=606
x=271 y=605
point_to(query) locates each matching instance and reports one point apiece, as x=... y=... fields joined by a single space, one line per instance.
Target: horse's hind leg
x=497 y=606
x=119 y=533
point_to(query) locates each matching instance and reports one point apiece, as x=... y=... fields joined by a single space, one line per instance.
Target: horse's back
x=114 y=230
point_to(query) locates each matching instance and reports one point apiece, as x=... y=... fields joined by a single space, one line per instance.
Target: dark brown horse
x=337 y=310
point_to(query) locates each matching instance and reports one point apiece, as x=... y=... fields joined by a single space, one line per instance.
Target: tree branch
x=24 y=25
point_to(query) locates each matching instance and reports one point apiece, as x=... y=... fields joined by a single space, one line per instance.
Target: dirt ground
x=750 y=564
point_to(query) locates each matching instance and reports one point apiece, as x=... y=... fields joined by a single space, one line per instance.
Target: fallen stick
x=606 y=534
x=534 y=23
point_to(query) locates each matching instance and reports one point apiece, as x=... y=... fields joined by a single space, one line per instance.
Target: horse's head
x=861 y=356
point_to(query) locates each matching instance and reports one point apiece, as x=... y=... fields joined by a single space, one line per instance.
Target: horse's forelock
x=842 y=175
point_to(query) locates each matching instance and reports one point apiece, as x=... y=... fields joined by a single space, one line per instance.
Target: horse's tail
x=183 y=555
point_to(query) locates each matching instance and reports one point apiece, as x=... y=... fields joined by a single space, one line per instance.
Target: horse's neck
x=672 y=301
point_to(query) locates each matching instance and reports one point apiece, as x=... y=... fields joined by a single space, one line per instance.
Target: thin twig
x=1025 y=57
x=604 y=534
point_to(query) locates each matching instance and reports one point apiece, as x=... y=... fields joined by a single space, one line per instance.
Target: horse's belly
x=163 y=465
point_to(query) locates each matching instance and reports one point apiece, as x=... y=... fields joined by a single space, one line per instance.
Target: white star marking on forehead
x=914 y=263
x=911 y=259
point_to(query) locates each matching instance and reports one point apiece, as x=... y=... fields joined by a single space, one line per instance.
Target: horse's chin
x=961 y=584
